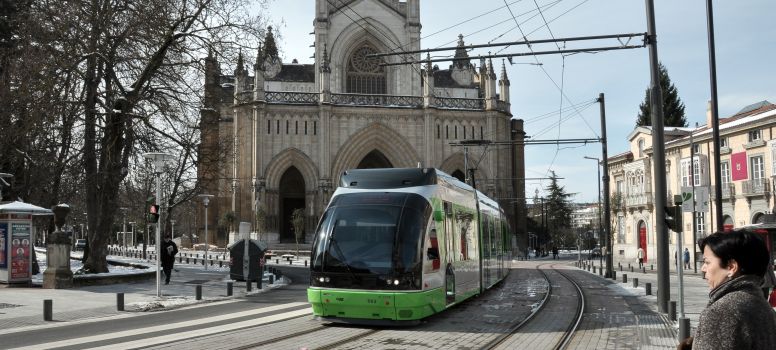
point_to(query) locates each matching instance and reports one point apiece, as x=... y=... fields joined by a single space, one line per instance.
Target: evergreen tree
x=557 y=208
x=673 y=108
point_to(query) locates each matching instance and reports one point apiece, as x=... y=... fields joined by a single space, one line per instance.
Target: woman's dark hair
x=746 y=248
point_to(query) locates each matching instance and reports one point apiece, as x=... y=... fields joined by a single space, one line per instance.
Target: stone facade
x=271 y=143
x=748 y=158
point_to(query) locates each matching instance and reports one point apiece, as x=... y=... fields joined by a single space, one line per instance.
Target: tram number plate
x=371 y=301
x=340 y=299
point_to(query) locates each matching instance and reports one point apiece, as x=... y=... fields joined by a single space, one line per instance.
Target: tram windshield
x=371 y=233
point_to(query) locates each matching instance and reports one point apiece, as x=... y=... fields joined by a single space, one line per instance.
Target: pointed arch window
x=365 y=75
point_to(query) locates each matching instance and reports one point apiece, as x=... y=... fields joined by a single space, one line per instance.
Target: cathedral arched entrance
x=292 y=193
x=373 y=160
x=458 y=174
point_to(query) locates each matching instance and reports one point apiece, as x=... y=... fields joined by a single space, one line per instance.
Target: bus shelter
x=16 y=240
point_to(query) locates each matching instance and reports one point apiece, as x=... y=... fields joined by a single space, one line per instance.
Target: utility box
x=246 y=257
x=16 y=241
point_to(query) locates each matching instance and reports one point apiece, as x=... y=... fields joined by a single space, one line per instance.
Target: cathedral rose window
x=365 y=75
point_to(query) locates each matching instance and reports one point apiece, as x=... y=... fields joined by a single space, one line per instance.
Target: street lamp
x=124 y=228
x=206 y=201
x=132 y=224
x=159 y=160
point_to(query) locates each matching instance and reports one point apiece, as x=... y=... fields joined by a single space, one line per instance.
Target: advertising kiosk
x=16 y=241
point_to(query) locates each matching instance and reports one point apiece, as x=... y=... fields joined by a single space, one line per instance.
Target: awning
x=17 y=207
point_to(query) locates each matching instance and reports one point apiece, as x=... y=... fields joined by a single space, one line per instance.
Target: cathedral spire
x=461 y=58
x=259 y=60
x=270 y=48
x=503 y=71
x=325 y=61
x=240 y=63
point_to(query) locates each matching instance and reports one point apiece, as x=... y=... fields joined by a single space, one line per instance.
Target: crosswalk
x=262 y=316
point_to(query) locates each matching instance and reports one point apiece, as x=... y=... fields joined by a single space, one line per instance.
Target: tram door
x=450 y=255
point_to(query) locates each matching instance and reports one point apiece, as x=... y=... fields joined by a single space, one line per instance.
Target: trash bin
x=246 y=262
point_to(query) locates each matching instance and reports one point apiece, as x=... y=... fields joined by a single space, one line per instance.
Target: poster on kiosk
x=16 y=241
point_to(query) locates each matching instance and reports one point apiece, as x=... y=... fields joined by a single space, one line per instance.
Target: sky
x=745 y=40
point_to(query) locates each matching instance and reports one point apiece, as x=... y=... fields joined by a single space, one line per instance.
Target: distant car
x=80 y=244
x=596 y=252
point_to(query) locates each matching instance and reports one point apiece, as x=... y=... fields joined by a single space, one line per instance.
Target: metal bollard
x=625 y=278
x=229 y=288
x=600 y=271
x=614 y=275
x=684 y=328
x=593 y=268
x=260 y=281
x=277 y=261
x=651 y=267
x=305 y=263
x=672 y=310
x=644 y=269
x=220 y=263
x=120 y=301
x=47 y=309
x=248 y=285
x=635 y=282
x=648 y=288
x=289 y=261
x=631 y=268
x=198 y=292
x=272 y=278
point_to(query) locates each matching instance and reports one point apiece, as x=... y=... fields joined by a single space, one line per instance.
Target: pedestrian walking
x=640 y=255
x=686 y=258
x=554 y=253
x=737 y=316
x=169 y=249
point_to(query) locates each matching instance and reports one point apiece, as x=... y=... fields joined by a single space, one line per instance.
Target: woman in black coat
x=737 y=316
x=169 y=249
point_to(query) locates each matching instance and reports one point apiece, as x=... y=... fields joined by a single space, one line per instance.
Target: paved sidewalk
x=23 y=307
x=696 y=290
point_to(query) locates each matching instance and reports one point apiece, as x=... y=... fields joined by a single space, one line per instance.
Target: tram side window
x=463 y=224
x=450 y=236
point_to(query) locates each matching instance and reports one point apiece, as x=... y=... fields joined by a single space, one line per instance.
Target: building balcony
x=757 y=187
x=639 y=199
x=374 y=100
x=728 y=191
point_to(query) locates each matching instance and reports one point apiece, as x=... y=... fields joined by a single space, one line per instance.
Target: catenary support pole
x=605 y=180
x=658 y=164
x=714 y=117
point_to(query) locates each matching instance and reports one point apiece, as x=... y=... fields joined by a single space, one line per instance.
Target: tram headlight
x=395 y=282
x=323 y=279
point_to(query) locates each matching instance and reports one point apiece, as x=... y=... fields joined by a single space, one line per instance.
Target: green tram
x=398 y=245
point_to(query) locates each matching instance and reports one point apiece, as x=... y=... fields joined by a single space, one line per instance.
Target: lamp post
x=600 y=226
x=172 y=227
x=132 y=240
x=159 y=160
x=124 y=228
x=206 y=201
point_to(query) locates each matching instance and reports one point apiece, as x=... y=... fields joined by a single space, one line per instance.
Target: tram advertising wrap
x=399 y=245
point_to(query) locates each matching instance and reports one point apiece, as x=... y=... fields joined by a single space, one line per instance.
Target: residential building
x=748 y=169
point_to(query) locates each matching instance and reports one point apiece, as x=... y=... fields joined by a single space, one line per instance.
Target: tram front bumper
x=369 y=305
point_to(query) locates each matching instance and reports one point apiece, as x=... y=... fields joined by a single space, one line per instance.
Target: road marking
x=196 y=322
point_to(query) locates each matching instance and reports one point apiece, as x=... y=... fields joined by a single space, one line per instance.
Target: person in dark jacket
x=169 y=249
x=737 y=316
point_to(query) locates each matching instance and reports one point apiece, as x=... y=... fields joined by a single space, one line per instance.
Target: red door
x=643 y=238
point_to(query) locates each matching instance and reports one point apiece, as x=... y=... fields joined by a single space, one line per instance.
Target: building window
x=696 y=172
x=758 y=167
x=269 y=126
x=481 y=133
x=755 y=135
x=277 y=126
x=447 y=131
x=700 y=223
x=315 y=127
x=365 y=75
x=305 y=127
x=296 y=127
x=641 y=148
x=724 y=168
x=438 y=132
x=723 y=142
x=696 y=149
x=464 y=132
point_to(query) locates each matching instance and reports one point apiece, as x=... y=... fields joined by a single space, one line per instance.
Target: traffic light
x=153 y=210
x=153 y=214
x=674 y=218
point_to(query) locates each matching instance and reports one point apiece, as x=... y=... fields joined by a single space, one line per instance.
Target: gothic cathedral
x=277 y=138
